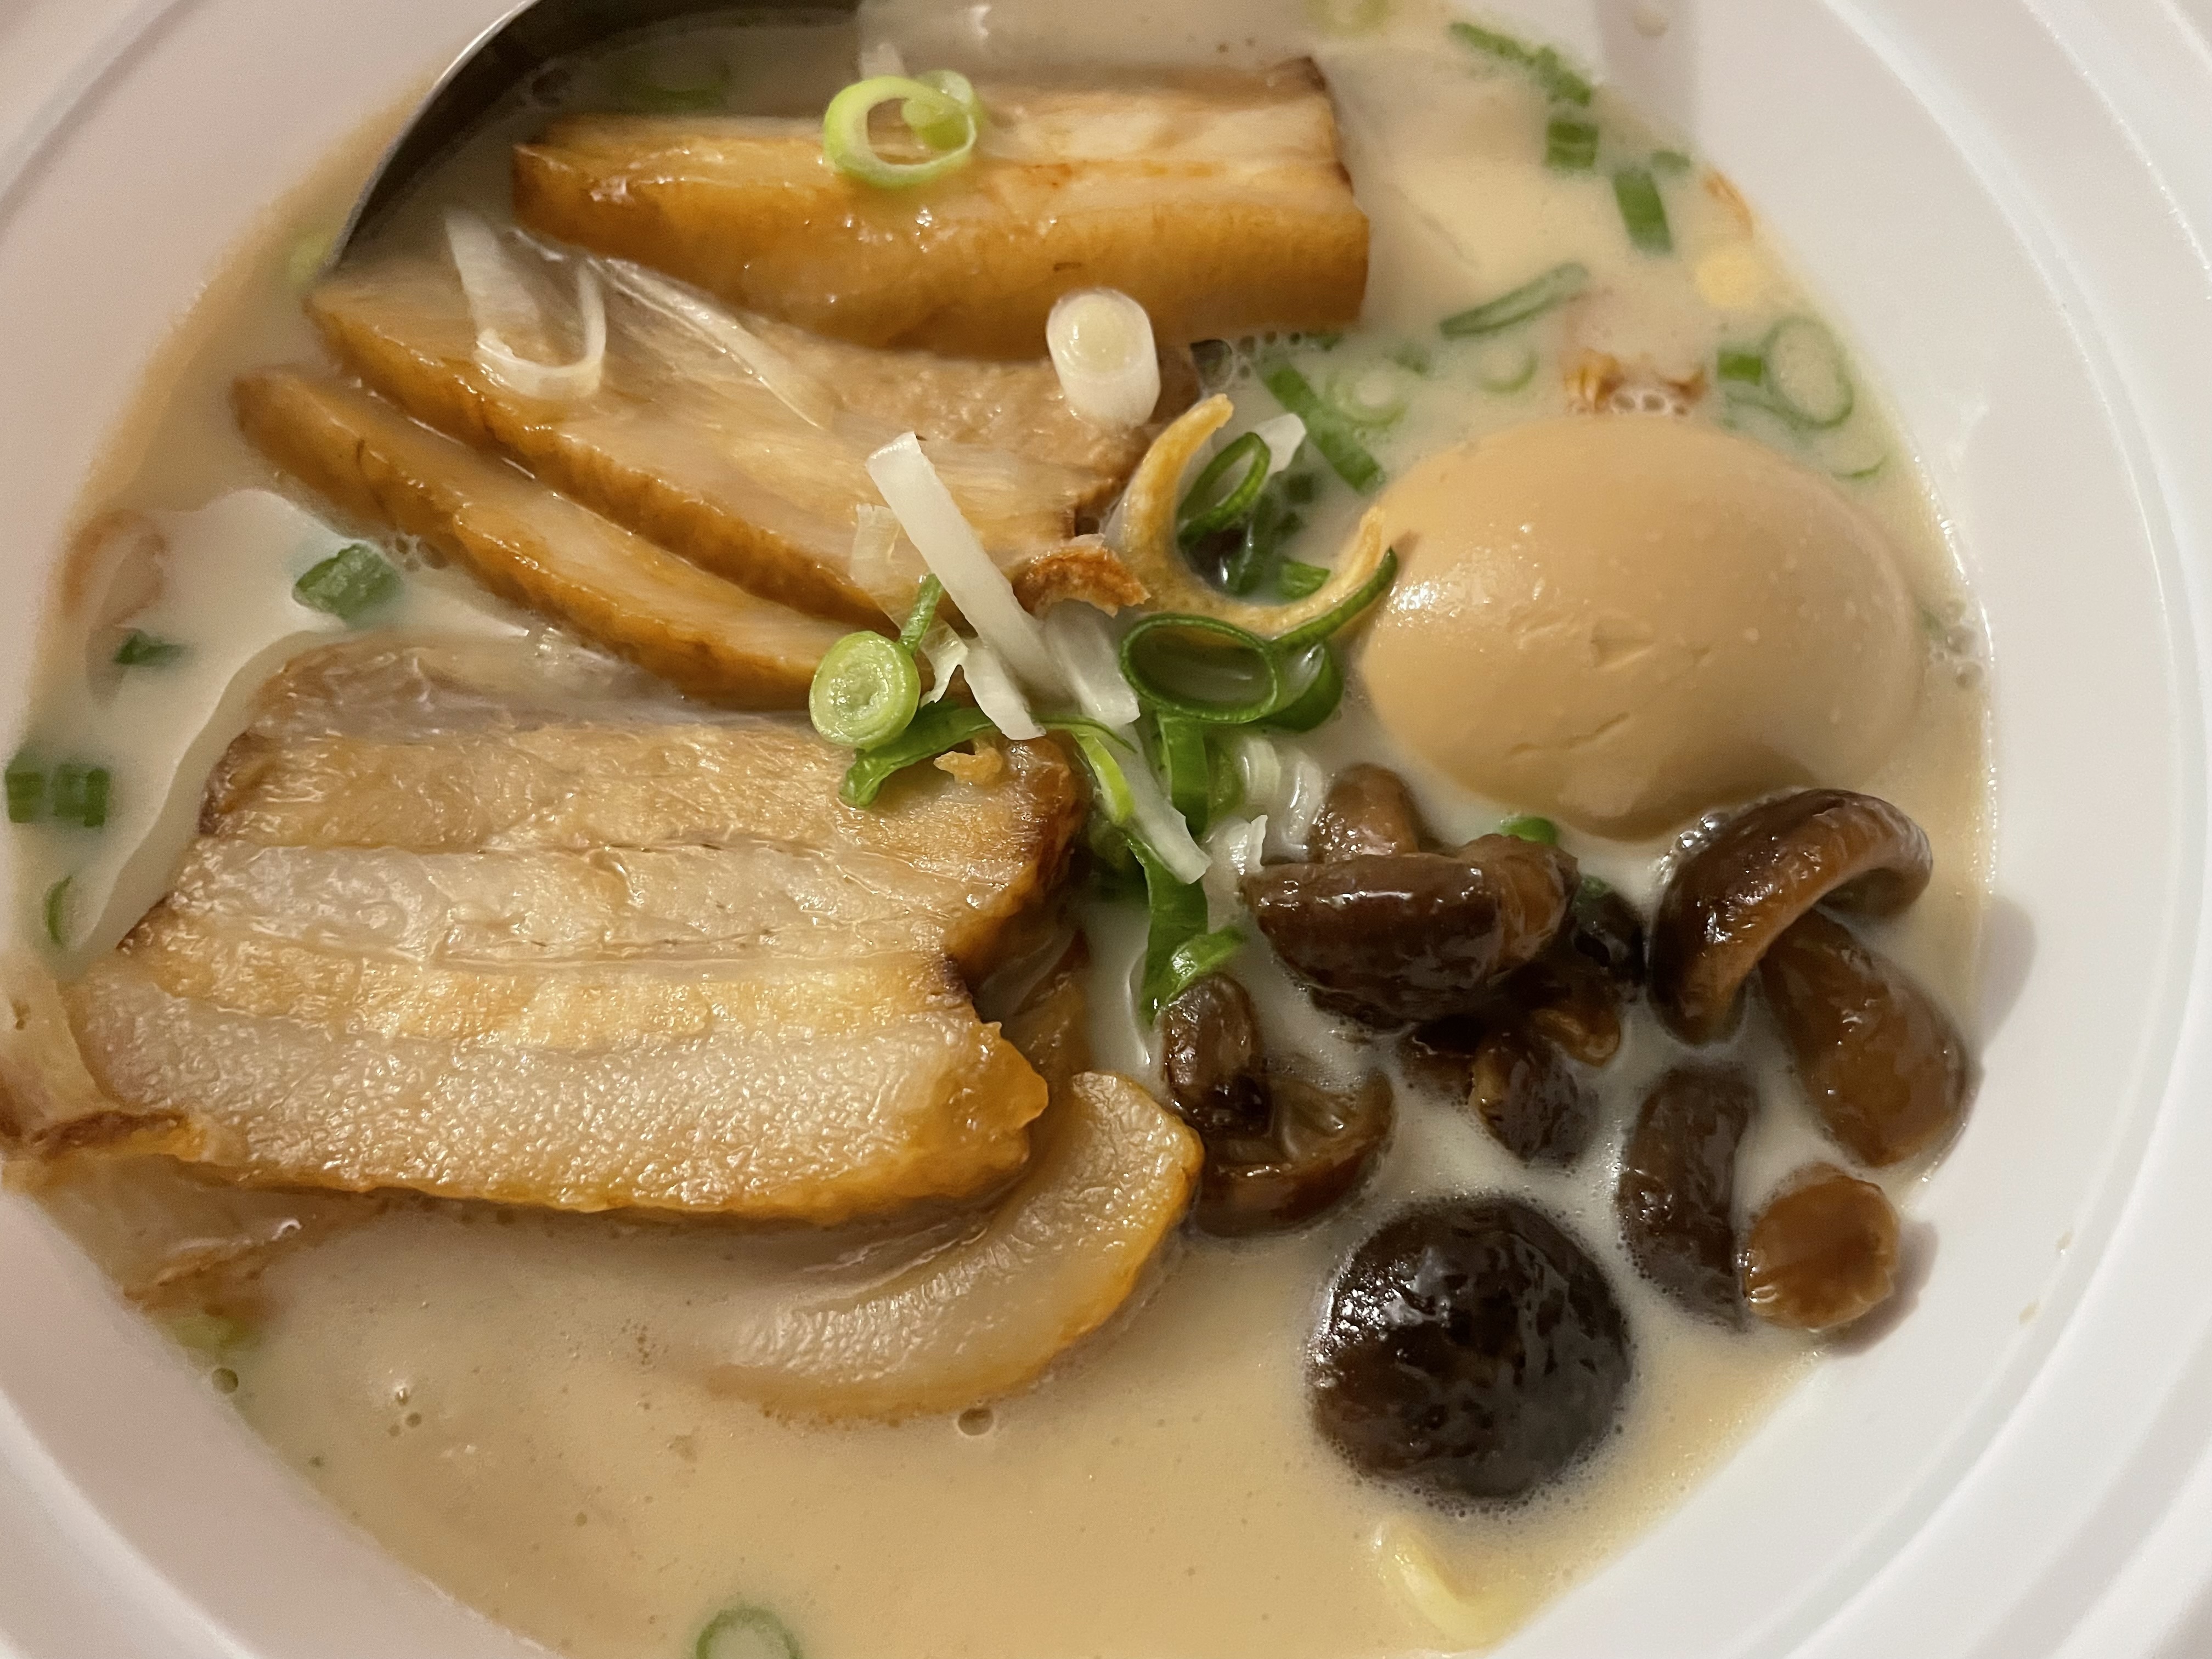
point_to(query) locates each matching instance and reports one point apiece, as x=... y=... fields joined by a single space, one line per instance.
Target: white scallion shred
x=881 y=58
x=882 y=570
x=1157 y=822
x=948 y=545
x=997 y=694
x=803 y=394
x=1082 y=641
x=502 y=305
x=1260 y=766
x=1282 y=435
x=1101 y=344
x=1305 y=788
x=946 y=652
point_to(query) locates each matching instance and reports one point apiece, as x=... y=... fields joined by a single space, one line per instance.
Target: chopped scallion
x=1642 y=210
x=97 y=783
x=143 y=650
x=1177 y=917
x=1806 y=376
x=26 y=791
x=939 y=110
x=1670 y=161
x=78 y=794
x=1322 y=693
x=1531 y=828
x=1376 y=396
x=1272 y=523
x=57 y=910
x=1186 y=769
x=1225 y=790
x=940 y=726
x=865 y=692
x=1570 y=144
x=351 y=583
x=1325 y=428
x=1329 y=622
x=1212 y=506
x=1505 y=367
x=1299 y=488
x=923 y=613
x=1532 y=299
x=1202 y=669
x=1109 y=783
x=1743 y=365
x=1192 y=961
x=1543 y=63
x=1296 y=580
x=745 y=1632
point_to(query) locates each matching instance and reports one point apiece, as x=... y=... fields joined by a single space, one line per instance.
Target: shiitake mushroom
x=1822 y=1253
x=1369 y=810
x=1884 y=1065
x=1759 y=872
x=1675 y=1195
x=1280 y=1148
x=1513 y=1078
x=1470 y=1348
x=1575 y=992
x=1394 y=939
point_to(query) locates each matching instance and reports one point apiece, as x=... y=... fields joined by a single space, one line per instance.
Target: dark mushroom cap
x=1676 y=1191
x=1822 y=1253
x=1884 y=1065
x=1396 y=938
x=1470 y=1348
x=1210 y=1050
x=1762 y=870
x=1319 y=1145
x=1369 y=810
x=1513 y=1078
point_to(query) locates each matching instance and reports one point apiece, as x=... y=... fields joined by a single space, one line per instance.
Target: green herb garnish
x=143 y=650
x=57 y=909
x=1550 y=68
x=1531 y=828
x=350 y=583
x=1214 y=505
x=1570 y=144
x=1295 y=580
x=865 y=692
x=745 y=1632
x=1532 y=299
x=940 y=726
x=26 y=791
x=1325 y=429
x=1642 y=210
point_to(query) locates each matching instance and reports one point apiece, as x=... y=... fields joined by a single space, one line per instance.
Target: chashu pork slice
x=646 y=961
x=709 y=636
x=682 y=445
x=1217 y=199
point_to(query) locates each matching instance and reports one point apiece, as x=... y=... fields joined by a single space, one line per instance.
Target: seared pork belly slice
x=1217 y=199
x=1062 y=1251
x=818 y=1095
x=682 y=445
x=1000 y=846
x=709 y=636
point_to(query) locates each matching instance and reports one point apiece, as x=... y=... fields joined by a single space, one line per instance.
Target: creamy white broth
x=520 y=1405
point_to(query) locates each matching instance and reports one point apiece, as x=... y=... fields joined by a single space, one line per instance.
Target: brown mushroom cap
x=1524 y=1091
x=1369 y=810
x=1885 y=1067
x=1217 y=1070
x=1760 y=872
x=1676 y=1192
x=1396 y=938
x=1822 y=1253
x=1316 y=1148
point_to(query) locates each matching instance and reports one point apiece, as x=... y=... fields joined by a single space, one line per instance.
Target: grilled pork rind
x=1217 y=199
x=683 y=445
x=437 y=937
x=709 y=636
x=1060 y=1252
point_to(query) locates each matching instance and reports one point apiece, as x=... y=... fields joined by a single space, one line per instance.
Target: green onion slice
x=57 y=910
x=1186 y=768
x=940 y=109
x=940 y=726
x=1189 y=962
x=1549 y=69
x=26 y=790
x=745 y=1632
x=1325 y=428
x=1532 y=299
x=924 y=613
x=1376 y=396
x=98 y=781
x=1202 y=668
x=143 y=650
x=1109 y=783
x=1178 y=917
x=1506 y=369
x=1806 y=376
x=1208 y=507
x=1642 y=210
x=1531 y=828
x=1272 y=523
x=1323 y=693
x=1331 y=621
x=1296 y=580
x=1743 y=365
x=865 y=692
x=351 y=583
x=1225 y=782
x=1570 y=144
x=1670 y=160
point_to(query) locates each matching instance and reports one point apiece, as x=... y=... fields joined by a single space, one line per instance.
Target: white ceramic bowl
x=2008 y=204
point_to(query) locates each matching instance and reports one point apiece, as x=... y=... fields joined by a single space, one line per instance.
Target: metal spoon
x=505 y=56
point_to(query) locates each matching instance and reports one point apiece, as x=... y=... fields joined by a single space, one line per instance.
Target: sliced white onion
x=883 y=568
x=803 y=394
x=501 y=303
x=934 y=522
x=1282 y=435
x=946 y=652
x=1101 y=344
x=1305 y=789
x=1236 y=846
x=881 y=58
x=1153 y=818
x=1260 y=766
x=1082 y=642
x=997 y=694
